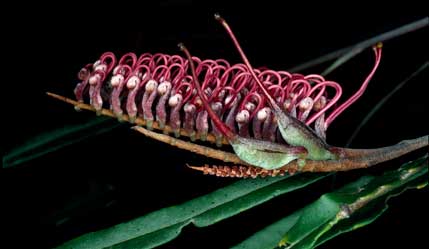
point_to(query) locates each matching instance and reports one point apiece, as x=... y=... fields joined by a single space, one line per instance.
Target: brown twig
x=349 y=158
x=195 y=148
x=139 y=121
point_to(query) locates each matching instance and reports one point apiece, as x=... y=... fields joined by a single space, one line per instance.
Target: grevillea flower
x=254 y=110
x=160 y=87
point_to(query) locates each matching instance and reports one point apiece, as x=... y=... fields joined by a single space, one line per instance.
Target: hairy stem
x=350 y=159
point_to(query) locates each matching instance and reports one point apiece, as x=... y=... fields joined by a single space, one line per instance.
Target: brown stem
x=195 y=148
x=384 y=153
x=351 y=159
x=362 y=158
x=139 y=121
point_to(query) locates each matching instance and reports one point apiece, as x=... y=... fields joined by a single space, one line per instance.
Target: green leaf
x=343 y=59
x=153 y=239
x=370 y=212
x=163 y=225
x=354 y=49
x=363 y=218
x=57 y=139
x=380 y=103
x=353 y=206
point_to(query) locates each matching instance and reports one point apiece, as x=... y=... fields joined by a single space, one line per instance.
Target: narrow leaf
x=153 y=239
x=163 y=225
x=364 y=44
x=383 y=101
x=370 y=212
x=57 y=139
x=343 y=59
x=353 y=206
x=255 y=198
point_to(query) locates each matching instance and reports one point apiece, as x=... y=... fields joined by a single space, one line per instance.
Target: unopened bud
x=101 y=67
x=94 y=79
x=263 y=113
x=133 y=81
x=319 y=104
x=151 y=86
x=163 y=87
x=249 y=106
x=189 y=108
x=305 y=104
x=242 y=116
x=174 y=100
x=117 y=80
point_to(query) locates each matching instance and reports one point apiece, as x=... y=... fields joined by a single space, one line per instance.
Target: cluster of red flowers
x=160 y=87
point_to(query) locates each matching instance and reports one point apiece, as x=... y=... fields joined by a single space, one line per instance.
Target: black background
x=120 y=175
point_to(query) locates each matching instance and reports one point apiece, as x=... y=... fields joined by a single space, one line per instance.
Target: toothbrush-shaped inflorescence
x=271 y=118
x=159 y=87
